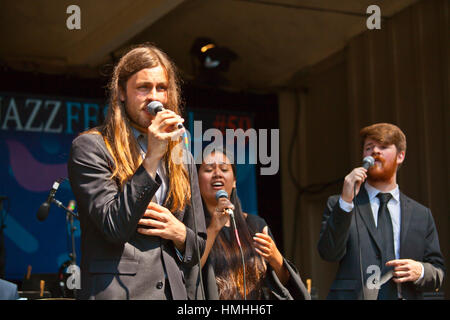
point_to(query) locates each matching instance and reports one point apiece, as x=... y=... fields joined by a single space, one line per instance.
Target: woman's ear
x=234 y=183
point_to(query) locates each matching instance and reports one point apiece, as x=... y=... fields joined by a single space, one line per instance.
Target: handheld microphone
x=224 y=194
x=43 y=211
x=156 y=106
x=368 y=162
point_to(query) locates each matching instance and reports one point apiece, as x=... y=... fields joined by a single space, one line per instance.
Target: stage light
x=207 y=47
x=211 y=56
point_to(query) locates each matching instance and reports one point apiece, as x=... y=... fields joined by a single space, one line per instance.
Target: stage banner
x=36 y=133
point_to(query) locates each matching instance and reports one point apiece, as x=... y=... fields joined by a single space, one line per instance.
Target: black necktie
x=386 y=235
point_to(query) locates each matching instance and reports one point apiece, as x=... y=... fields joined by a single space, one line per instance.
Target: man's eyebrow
x=150 y=82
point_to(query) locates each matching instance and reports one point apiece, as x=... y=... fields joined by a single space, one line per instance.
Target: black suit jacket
x=116 y=261
x=294 y=289
x=339 y=242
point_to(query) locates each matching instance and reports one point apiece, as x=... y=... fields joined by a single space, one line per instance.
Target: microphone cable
x=367 y=163
x=359 y=240
x=236 y=233
x=224 y=194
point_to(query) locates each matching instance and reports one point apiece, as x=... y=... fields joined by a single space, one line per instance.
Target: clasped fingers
x=157 y=215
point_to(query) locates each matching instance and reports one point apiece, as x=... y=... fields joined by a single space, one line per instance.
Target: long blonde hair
x=117 y=133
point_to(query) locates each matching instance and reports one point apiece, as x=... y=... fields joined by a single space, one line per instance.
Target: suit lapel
x=365 y=211
x=405 y=218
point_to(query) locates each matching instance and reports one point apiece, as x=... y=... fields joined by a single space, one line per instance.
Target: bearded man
x=386 y=244
x=140 y=218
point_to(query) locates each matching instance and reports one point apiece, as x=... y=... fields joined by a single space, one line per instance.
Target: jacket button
x=159 y=285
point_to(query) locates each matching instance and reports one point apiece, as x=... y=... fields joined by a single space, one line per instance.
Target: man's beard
x=383 y=173
x=136 y=125
x=134 y=120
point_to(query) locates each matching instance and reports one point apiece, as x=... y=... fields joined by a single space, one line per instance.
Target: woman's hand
x=267 y=248
x=221 y=216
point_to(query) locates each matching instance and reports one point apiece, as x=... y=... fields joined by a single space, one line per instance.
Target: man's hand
x=356 y=177
x=161 y=130
x=405 y=270
x=163 y=224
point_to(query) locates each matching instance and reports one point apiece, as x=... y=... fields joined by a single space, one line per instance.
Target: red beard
x=383 y=172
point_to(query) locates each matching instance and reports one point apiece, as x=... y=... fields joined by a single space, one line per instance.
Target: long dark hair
x=225 y=256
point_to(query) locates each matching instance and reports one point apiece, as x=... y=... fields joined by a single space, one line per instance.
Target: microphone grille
x=154 y=107
x=43 y=211
x=369 y=160
x=221 y=194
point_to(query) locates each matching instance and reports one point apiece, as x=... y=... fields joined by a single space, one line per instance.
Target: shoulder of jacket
x=411 y=202
x=87 y=137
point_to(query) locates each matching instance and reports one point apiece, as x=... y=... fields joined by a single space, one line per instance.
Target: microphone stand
x=59 y=204
x=69 y=221
x=2 y=226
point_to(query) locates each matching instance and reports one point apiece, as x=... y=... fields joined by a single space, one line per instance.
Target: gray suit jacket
x=116 y=261
x=339 y=242
x=8 y=290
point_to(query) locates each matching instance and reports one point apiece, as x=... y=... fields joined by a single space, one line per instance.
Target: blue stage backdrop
x=35 y=137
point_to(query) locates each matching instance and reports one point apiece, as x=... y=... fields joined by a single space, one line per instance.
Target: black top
x=272 y=288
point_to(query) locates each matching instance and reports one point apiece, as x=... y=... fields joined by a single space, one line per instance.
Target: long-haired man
x=135 y=201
